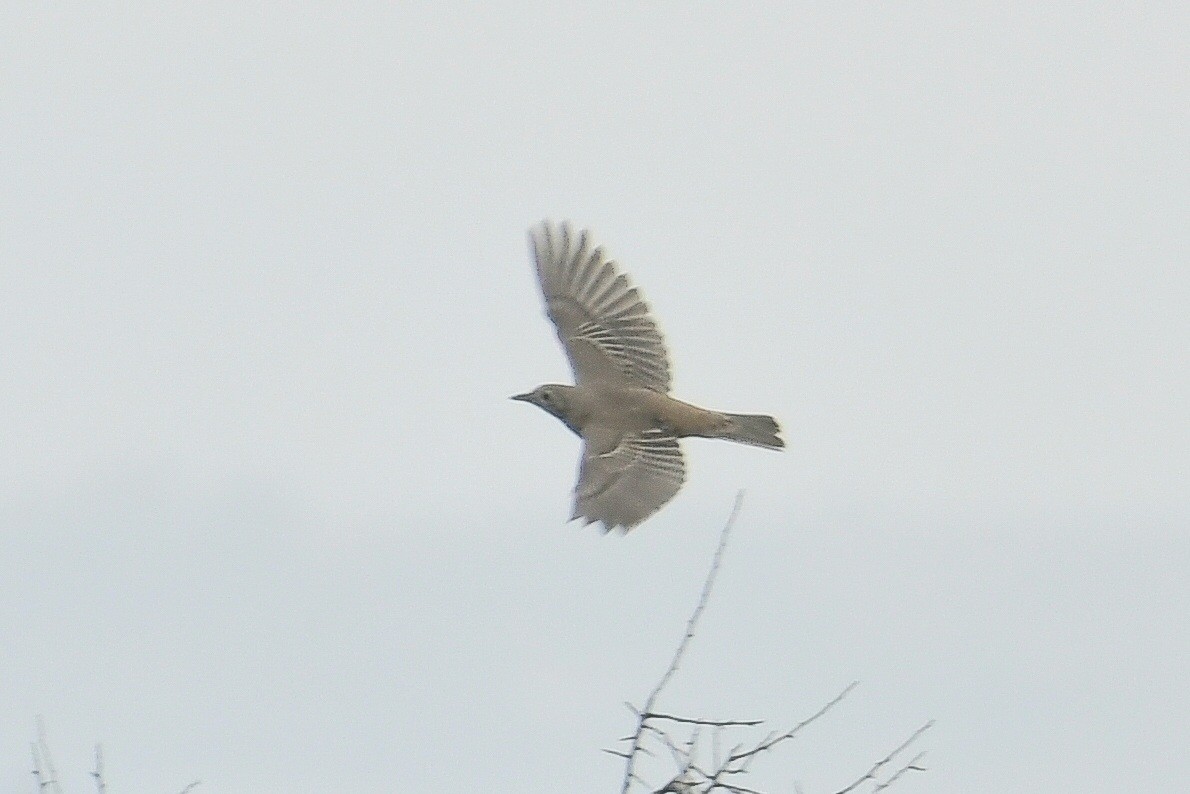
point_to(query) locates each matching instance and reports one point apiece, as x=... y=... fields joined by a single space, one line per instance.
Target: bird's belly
x=628 y=409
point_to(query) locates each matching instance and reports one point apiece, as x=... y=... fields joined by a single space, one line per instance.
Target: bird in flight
x=619 y=404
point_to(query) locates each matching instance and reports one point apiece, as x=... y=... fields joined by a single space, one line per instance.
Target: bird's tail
x=758 y=430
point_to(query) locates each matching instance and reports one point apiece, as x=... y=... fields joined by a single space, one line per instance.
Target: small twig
x=732 y=787
x=713 y=723
x=41 y=782
x=914 y=765
x=691 y=624
x=43 y=762
x=100 y=783
x=773 y=741
x=883 y=762
x=682 y=758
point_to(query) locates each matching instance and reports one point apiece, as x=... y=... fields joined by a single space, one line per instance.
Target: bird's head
x=553 y=398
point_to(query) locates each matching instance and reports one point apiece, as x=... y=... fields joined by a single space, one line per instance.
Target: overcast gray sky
x=268 y=519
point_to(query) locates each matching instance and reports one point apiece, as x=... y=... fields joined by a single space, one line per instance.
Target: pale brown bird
x=631 y=463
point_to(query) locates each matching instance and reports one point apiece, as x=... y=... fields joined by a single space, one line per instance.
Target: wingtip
x=606 y=526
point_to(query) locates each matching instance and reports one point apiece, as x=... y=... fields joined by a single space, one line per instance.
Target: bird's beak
x=522 y=397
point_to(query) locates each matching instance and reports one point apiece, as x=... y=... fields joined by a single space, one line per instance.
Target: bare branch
x=883 y=762
x=914 y=765
x=739 y=759
x=43 y=762
x=47 y=775
x=773 y=741
x=738 y=789
x=685 y=737
x=691 y=625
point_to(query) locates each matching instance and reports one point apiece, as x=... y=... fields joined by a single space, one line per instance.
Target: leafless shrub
x=703 y=769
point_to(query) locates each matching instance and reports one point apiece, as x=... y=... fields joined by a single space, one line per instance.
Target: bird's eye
x=545 y=397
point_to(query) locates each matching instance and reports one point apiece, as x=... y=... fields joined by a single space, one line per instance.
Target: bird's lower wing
x=623 y=487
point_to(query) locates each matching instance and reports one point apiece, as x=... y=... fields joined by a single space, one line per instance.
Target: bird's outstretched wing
x=625 y=486
x=602 y=321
